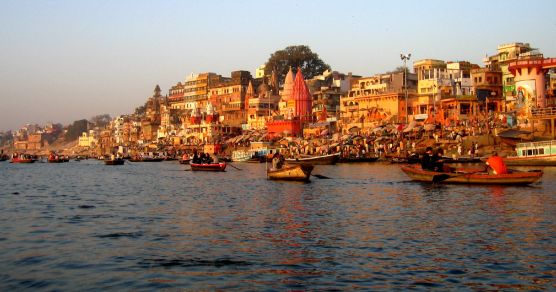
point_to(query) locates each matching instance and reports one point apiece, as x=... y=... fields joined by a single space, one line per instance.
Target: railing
x=549 y=111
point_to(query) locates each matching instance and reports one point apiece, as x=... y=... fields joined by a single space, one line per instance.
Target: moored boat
x=316 y=160
x=357 y=159
x=115 y=161
x=298 y=172
x=208 y=166
x=416 y=173
x=542 y=153
x=146 y=159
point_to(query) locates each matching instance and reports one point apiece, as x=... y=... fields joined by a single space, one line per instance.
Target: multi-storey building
x=262 y=104
x=487 y=87
x=196 y=89
x=507 y=53
x=374 y=99
x=432 y=81
x=228 y=95
x=327 y=90
x=176 y=96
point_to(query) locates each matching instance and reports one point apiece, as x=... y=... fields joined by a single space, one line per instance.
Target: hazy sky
x=66 y=60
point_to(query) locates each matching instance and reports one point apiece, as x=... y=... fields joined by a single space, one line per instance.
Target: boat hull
x=547 y=160
x=114 y=162
x=514 y=178
x=299 y=172
x=357 y=159
x=316 y=160
x=208 y=166
x=146 y=160
x=17 y=160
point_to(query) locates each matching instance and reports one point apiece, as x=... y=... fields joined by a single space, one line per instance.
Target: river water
x=146 y=226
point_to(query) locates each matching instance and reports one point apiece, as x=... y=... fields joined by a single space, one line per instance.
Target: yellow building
x=430 y=77
x=86 y=140
x=507 y=53
x=373 y=100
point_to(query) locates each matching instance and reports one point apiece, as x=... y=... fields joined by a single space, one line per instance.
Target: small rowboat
x=116 y=161
x=299 y=172
x=185 y=161
x=208 y=166
x=514 y=178
x=22 y=160
x=56 y=160
x=147 y=159
x=316 y=160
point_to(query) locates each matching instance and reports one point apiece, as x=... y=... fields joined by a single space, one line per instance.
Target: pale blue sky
x=65 y=60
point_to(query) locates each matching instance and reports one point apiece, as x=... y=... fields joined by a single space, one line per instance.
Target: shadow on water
x=218 y=263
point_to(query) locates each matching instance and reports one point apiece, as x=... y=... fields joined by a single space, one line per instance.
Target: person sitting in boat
x=438 y=162
x=277 y=161
x=196 y=158
x=496 y=164
x=427 y=160
x=185 y=157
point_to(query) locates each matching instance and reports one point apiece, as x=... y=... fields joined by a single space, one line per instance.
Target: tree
x=101 y=120
x=140 y=110
x=296 y=57
x=398 y=69
x=75 y=129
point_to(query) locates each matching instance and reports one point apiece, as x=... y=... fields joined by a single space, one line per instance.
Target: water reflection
x=155 y=226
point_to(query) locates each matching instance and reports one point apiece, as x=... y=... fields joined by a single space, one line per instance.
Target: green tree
x=398 y=69
x=75 y=129
x=296 y=57
x=140 y=110
x=101 y=120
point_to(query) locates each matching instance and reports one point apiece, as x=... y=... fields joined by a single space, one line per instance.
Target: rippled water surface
x=144 y=226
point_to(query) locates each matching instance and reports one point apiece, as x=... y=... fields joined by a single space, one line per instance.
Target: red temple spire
x=302 y=97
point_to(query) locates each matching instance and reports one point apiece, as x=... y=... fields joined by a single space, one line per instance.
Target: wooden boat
x=146 y=159
x=208 y=166
x=56 y=160
x=22 y=160
x=404 y=159
x=357 y=159
x=461 y=159
x=541 y=153
x=316 y=160
x=115 y=161
x=514 y=178
x=298 y=172
x=185 y=161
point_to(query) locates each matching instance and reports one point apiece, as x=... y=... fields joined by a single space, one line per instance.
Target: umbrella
x=430 y=127
x=354 y=129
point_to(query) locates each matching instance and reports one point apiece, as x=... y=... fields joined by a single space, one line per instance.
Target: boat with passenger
x=221 y=166
x=541 y=153
x=328 y=159
x=481 y=176
x=22 y=158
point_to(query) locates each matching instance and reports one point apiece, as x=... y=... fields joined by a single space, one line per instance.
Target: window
x=529 y=152
x=535 y=151
x=541 y=151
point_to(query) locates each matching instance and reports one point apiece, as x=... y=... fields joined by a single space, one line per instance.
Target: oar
x=320 y=176
x=234 y=166
x=442 y=177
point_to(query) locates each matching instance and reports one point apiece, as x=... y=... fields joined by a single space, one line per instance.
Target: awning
x=410 y=126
